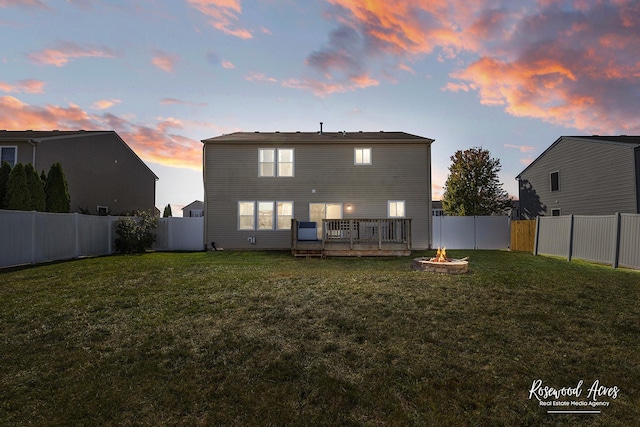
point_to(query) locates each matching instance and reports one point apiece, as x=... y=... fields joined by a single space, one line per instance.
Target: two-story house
x=104 y=176
x=583 y=175
x=258 y=184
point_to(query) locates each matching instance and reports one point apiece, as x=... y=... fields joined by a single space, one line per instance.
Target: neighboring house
x=583 y=175
x=104 y=175
x=257 y=183
x=436 y=208
x=193 y=209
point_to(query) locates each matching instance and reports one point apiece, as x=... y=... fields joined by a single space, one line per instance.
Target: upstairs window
x=9 y=155
x=362 y=156
x=274 y=162
x=267 y=162
x=285 y=161
x=555 y=181
x=396 y=208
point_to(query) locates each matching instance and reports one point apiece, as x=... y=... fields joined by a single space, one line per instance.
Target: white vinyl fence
x=610 y=239
x=36 y=237
x=472 y=232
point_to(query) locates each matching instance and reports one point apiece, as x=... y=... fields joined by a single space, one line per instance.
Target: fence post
x=616 y=248
x=537 y=235
x=110 y=233
x=570 y=238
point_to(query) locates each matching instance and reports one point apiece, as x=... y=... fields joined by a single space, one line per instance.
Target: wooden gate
x=523 y=235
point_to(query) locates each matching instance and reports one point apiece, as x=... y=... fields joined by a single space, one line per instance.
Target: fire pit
x=441 y=264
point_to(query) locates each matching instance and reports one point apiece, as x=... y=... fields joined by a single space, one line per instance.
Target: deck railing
x=356 y=234
x=359 y=231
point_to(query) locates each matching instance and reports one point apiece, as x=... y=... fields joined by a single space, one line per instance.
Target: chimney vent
x=320 y=128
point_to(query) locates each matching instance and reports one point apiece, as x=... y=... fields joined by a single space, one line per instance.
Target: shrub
x=136 y=233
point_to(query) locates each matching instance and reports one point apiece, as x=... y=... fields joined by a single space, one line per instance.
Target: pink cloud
x=228 y=65
x=105 y=104
x=66 y=51
x=259 y=77
x=174 y=101
x=521 y=148
x=157 y=143
x=165 y=61
x=572 y=63
x=322 y=88
x=24 y=3
x=23 y=86
x=223 y=15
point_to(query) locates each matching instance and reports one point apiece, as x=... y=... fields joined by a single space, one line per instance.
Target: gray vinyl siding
x=596 y=178
x=101 y=170
x=399 y=171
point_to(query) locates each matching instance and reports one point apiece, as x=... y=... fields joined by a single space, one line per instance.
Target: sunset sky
x=509 y=76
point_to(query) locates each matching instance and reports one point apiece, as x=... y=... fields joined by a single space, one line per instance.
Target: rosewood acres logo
x=573 y=400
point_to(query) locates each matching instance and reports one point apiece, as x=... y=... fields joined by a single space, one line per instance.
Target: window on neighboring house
x=362 y=156
x=555 y=181
x=265 y=215
x=285 y=215
x=555 y=212
x=246 y=216
x=102 y=210
x=9 y=155
x=396 y=208
x=196 y=213
x=275 y=162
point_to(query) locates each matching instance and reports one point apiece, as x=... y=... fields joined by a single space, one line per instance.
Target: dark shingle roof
x=36 y=134
x=630 y=140
x=316 y=137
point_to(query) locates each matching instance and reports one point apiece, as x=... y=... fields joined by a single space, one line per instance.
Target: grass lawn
x=256 y=338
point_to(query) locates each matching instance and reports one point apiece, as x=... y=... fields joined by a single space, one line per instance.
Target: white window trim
x=355 y=156
x=276 y=162
x=404 y=208
x=15 y=153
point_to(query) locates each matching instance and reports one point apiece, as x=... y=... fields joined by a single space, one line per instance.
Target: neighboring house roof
x=44 y=136
x=632 y=141
x=317 y=137
x=195 y=204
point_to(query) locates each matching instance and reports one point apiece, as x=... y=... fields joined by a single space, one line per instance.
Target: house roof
x=317 y=137
x=631 y=141
x=45 y=135
x=192 y=204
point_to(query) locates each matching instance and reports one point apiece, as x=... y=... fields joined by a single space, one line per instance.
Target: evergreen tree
x=36 y=189
x=473 y=187
x=167 y=211
x=5 y=170
x=18 y=196
x=58 y=199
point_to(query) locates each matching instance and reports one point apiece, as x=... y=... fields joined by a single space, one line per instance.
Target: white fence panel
x=471 y=232
x=554 y=235
x=594 y=238
x=611 y=239
x=55 y=237
x=493 y=232
x=16 y=237
x=629 y=241
x=34 y=237
x=180 y=234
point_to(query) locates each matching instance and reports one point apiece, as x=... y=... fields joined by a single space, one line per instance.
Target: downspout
x=33 y=154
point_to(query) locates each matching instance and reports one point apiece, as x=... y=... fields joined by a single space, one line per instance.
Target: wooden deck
x=356 y=237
